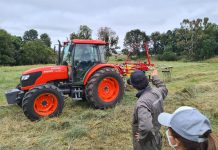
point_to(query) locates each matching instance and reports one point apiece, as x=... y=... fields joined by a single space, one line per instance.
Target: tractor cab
x=80 y=56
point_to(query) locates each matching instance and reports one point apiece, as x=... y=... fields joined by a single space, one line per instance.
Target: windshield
x=83 y=52
x=66 y=55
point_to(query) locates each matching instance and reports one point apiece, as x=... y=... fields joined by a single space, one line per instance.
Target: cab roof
x=98 y=42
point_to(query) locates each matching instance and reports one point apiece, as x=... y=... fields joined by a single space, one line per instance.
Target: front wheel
x=105 y=88
x=19 y=103
x=43 y=101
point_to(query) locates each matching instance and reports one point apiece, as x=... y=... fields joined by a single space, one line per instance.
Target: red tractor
x=82 y=74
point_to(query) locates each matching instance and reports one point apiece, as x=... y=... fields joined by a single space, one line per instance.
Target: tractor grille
x=33 y=77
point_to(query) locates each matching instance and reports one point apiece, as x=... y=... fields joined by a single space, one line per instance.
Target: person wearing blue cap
x=145 y=126
x=188 y=129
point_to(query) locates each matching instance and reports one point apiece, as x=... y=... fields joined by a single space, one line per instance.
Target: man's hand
x=154 y=73
x=137 y=136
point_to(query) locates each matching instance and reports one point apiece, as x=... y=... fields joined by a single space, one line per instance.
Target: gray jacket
x=148 y=106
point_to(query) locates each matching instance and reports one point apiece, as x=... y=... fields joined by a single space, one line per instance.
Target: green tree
x=30 y=35
x=195 y=43
x=36 y=52
x=207 y=48
x=212 y=31
x=156 y=40
x=74 y=36
x=7 y=52
x=134 y=40
x=125 y=51
x=45 y=39
x=85 y=32
x=194 y=40
x=108 y=35
x=17 y=43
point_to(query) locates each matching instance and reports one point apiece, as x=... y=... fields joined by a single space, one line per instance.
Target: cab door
x=85 y=57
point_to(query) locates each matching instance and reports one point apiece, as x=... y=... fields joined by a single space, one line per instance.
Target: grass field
x=81 y=127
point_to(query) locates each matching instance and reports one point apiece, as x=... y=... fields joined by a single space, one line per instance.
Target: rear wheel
x=105 y=88
x=42 y=101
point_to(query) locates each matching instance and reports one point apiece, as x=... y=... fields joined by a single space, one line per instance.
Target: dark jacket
x=148 y=106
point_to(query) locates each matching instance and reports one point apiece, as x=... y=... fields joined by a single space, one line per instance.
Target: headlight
x=25 y=77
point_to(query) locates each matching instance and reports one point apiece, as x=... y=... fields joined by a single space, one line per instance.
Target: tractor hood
x=43 y=75
x=47 y=69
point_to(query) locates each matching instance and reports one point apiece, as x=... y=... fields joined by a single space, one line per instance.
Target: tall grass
x=82 y=127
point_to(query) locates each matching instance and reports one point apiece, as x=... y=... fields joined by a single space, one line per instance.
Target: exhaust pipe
x=59 y=52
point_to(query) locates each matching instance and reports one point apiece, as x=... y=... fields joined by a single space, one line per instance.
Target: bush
x=168 y=56
x=120 y=59
x=36 y=52
x=133 y=57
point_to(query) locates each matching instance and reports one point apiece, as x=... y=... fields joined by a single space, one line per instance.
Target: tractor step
x=77 y=93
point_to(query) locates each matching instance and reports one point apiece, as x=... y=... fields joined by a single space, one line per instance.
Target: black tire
x=31 y=96
x=91 y=89
x=20 y=102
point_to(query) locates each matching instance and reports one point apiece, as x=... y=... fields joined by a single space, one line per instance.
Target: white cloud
x=60 y=18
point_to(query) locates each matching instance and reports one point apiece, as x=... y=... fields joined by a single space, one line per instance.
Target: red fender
x=97 y=67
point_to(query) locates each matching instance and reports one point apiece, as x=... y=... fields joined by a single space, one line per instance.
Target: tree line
x=193 y=40
x=26 y=50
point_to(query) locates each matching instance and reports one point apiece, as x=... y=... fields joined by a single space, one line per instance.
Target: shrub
x=168 y=56
x=119 y=59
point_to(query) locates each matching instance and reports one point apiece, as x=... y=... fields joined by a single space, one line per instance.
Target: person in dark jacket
x=145 y=125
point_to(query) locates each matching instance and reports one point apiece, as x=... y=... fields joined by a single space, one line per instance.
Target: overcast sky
x=59 y=18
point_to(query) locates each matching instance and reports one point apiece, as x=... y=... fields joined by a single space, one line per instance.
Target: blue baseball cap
x=188 y=122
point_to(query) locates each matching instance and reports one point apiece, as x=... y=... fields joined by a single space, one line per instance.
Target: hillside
x=81 y=127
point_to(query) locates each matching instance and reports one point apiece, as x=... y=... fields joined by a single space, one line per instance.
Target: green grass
x=82 y=127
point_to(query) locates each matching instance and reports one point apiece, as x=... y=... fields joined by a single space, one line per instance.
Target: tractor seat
x=85 y=64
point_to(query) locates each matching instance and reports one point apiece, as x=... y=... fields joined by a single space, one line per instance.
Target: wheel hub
x=44 y=103
x=108 y=89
